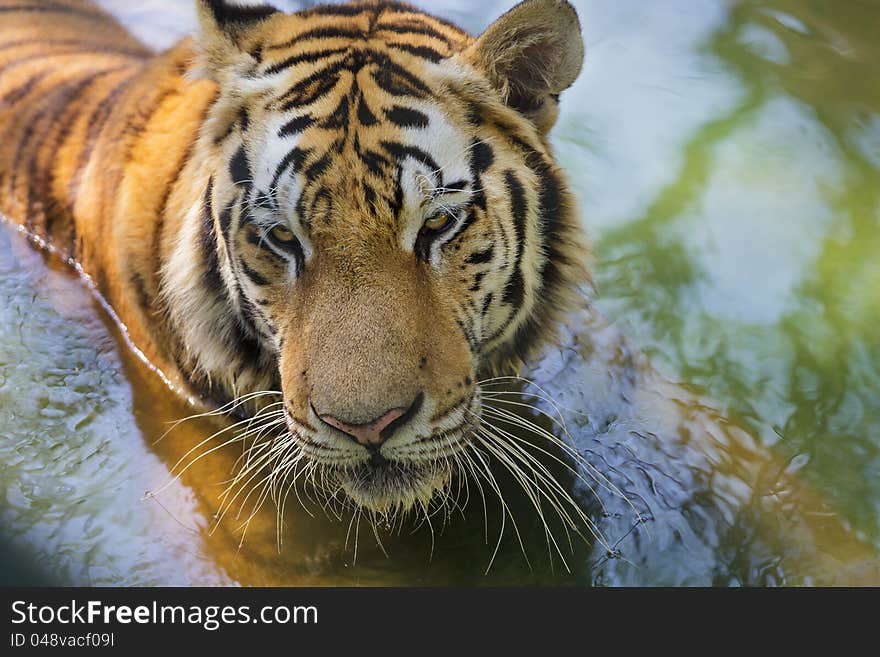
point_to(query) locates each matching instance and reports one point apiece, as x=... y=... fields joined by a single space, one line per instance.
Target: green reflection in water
x=797 y=159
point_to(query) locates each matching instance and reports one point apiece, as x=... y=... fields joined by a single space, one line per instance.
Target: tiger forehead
x=372 y=181
x=352 y=125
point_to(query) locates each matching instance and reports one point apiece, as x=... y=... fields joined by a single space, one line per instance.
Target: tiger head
x=389 y=222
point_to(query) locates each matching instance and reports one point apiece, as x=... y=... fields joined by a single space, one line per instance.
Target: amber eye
x=439 y=223
x=284 y=240
x=282 y=234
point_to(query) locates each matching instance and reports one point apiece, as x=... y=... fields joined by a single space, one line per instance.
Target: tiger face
x=389 y=221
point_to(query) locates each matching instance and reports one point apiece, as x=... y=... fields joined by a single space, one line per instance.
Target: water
x=727 y=160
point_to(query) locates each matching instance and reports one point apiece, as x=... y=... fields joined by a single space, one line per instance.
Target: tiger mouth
x=382 y=485
x=386 y=481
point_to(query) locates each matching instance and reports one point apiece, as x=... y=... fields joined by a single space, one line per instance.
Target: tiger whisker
x=176 y=474
x=555 y=488
x=486 y=472
x=222 y=411
x=579 y=460
x=530 y=490
x=559 y=420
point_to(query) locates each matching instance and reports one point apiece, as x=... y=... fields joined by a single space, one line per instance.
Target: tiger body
x=258 y=206
x=97 y=132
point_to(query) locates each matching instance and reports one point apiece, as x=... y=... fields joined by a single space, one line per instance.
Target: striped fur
x=346 y=128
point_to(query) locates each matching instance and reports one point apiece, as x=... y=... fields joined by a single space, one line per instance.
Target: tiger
x=353 y=211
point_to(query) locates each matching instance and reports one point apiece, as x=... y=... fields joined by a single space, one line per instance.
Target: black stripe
x=396 y=80
x=29 y=149
x=411 y=29
x=406 y=117
x=468 y=335
x=397 y=202
x=514 y=291
x=255 y=238
x=550 y=196
x=469 y=221
x=225 y=219
x=479 y=199
x=239 y=169
x=317 y=168
x=318 y=33
x=487 y=302
x=97 y=121
x=294 y=159
x=552 y=204
x=401 y=152
x=247 y=333
x=301 y=214
x=474 y=114
x=226 y=14
x=145 y=301
x=208 y=242
x=69 y=94
x=365 y=116
x=369 y=196
x=456 y=186
x=296 y=125
x=339 y=145
x=311 y=88
x=294 y=248
x=424 y=52
x=375 y=162
x=551 y=199
x=242 y=120
x=479 y=257
x=336 y=10
x=302 y=58
x=254 y=276
x=26 y=59
x=321 y=205
x=339 y=117
x=245 y=340
x=265 y=201
x=422 y=247
x=44 y=43
x=518 y=204
x=17 y=93
x=482 y=157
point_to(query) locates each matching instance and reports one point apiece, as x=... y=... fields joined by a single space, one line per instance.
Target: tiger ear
x=531 y=54
x=224 y=31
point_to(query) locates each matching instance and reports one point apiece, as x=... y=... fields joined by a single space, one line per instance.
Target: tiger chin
x=351 y=213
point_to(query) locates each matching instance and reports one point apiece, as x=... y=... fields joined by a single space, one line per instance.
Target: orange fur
x=161 y=187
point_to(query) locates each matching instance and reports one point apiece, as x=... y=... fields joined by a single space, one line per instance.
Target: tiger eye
x=439 y=222
x=282 y=234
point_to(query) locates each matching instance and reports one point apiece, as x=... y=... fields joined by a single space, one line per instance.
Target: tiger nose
x=372 y=434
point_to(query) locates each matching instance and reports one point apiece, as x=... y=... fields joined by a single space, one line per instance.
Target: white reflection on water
x=640 y=97
x=765 y=238
x=74 y=463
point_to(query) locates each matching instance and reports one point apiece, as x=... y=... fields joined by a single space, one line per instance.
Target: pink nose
x=369 y=434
